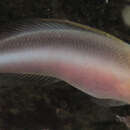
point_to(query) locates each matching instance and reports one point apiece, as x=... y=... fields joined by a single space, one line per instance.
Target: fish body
x=90 y=60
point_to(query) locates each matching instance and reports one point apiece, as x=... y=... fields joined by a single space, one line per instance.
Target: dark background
x=32 y=105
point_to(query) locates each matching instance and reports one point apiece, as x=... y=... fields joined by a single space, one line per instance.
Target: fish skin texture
x=90 y=60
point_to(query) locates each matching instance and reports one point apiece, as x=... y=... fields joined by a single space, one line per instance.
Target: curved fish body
x=90 y=60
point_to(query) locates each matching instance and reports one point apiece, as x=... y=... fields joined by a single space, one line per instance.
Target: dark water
x=31 y=105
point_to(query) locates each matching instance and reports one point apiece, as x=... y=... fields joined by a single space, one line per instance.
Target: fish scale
x=93 y=61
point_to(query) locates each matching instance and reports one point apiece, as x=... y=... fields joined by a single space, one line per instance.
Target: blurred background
x=34 y=105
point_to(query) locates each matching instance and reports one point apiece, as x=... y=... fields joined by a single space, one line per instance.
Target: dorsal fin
x=85 y=27
x=39 y=23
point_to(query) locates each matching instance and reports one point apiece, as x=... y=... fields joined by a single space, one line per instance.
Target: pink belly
x=94 y=81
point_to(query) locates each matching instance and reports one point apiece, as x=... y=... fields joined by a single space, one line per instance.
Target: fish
x=90 y=60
